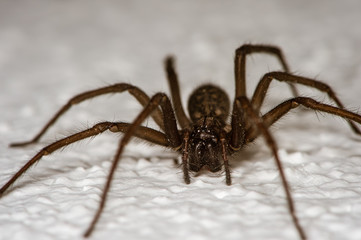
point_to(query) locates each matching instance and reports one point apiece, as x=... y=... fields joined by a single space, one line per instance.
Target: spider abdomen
x=208 y=101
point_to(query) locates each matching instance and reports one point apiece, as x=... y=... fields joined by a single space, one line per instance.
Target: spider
x=206 y=139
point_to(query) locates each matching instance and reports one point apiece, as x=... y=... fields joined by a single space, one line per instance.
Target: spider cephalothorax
x=204 y=145
x=207 y=138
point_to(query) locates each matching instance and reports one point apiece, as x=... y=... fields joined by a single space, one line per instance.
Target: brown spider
x=206 y=139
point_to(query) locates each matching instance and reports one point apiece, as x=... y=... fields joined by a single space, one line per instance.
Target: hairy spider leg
x=263 y=85
x=282 y=109
x=145 y=133
x=172 y=77
x=244 y=104
x=116 y=88
x=240 y=65
x=171 y=131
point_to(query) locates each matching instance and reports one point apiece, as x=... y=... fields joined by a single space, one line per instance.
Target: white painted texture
x=52 y=50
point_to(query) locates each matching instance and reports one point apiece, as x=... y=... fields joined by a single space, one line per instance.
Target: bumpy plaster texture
x=52 y=50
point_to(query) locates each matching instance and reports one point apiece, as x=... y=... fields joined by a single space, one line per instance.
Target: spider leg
x=171 y=131
x=116 y=88
x=244 y=104
x=185 y=154
x=223 y=141
x=240 y=64
x=262 y=87
x=172 y=77
x=283 y=108
x=142 y=132
x=237 y=128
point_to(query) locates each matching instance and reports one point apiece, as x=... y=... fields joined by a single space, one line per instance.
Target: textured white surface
x=52 y=50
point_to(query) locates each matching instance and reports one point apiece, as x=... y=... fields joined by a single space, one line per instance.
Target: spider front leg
x=263 y=85
x=171 y=132
x=116 y=88
x=240 y=65
x=244 y=105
